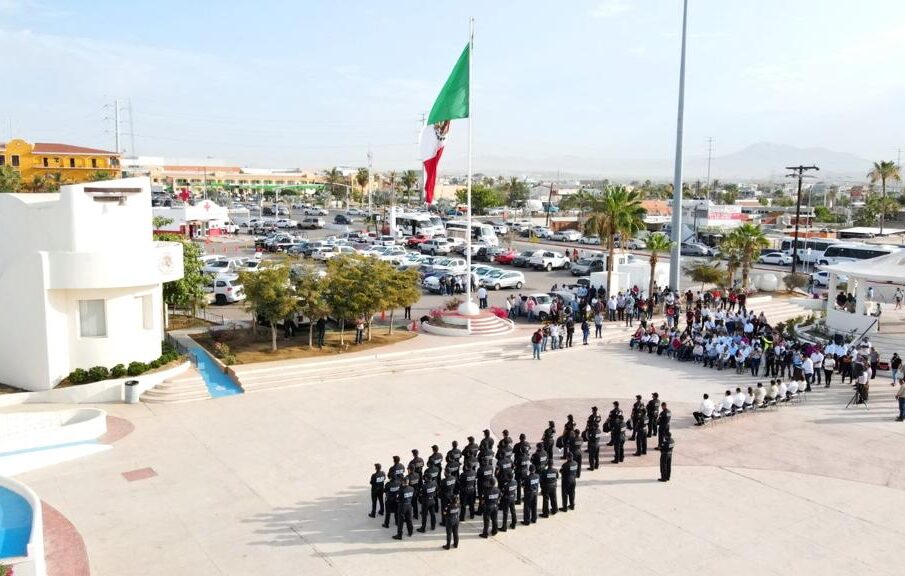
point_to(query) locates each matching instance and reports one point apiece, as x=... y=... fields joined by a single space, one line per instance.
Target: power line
x=799 y=173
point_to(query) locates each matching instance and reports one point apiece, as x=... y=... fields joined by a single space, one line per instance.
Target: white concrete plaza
x=275 y=482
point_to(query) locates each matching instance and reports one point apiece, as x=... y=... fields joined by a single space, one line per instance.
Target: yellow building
x=73 y=163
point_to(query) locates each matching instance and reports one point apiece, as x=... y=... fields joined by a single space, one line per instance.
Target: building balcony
x=154 y=263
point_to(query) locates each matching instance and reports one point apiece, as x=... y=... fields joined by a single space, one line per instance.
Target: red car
x=505 y=257
x=416 y=240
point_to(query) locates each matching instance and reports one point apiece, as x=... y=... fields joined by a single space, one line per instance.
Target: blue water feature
x=15 y=524
x=218 y=382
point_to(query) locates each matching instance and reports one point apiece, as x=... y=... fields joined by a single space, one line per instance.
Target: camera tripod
x=854 y=400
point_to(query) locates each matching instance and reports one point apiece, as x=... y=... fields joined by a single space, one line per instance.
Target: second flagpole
x=469 y=307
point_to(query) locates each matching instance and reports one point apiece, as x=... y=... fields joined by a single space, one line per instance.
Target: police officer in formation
x=666 y=446
x=570 y=472
x=639 y=426
x=548 y=489
x=508 y=497
x=451 y=521
x=378 y=479
x=491 y=502
x=592 y=437
x=653 y=411
x=532 y=487
x=615 y=425
x=428 y=499
x=404 y=509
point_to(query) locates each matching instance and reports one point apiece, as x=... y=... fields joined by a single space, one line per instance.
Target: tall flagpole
x=675 y=264
x=469 y=305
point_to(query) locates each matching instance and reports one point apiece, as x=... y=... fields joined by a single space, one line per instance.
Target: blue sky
x=312 y=84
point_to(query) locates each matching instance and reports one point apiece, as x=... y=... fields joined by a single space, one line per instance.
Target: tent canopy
x=889 y=268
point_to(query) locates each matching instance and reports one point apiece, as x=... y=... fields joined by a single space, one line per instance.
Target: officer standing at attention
x=592 y=435
x=485 y=479
x=548 y=489
x=392 y=497
x=453 y=467
x=451 y=520
x=595 y=417
x=653 y=411
x=397 y=470
x=617 y=431
x=491 y=501
x=417 y=462
x=539 y=458
x=506 y=441
x=521 y=472
x=468 y=488
x=504 y=468
x=638 y=405
x=532 y=486
x=447 y=490
x=576 y=454
x=639 y=427
x=549 y=439
x=522 y=448
x=471 y=450
x=435 y=459
x=454 y=454
x=428 y=501
x=567 y=436
x=486 y=446
x=508 y=494
x=377 y=480
x=569 y=472
x=666 y=447
x=663 y=420
x=404 y=509
x=414 y=479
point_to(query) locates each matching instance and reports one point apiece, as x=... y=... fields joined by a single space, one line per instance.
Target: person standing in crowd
x=829 y=366
x=895 y=365
x=653 y=411
x=616 y=423
x=378 y=478
x=404 y=509
x=321 y=331
x=468 y=480
x=570 y=472
x=898 y=298
x=490 y=504
x=536 y=340
x=482 y=298
x=451 y=521
x=585 y=331
x=548 y=489
x=874 y=358
x=531 y=488
x=666 y=446
x=598 y=324
x=900 y=398
x=508 y=497
x=414 y=479
x=428 y=498
x=592 y=436
x=391 y=494
x=663 y=420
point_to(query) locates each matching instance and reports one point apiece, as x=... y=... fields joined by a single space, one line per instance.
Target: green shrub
x=98 y=373
x=78 y=376
x=136 y=368
x=154 y=364
x=118 y=371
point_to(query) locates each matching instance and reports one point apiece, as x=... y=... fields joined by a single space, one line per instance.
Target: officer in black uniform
x=639 y=426
x=506 y=441
x=491 y=502
x=454 y=454
x=504 y=467
x=485 y=479
x=548 y=489
x=576 y=457
x=663 y=420
x=417 y=462
x=453 y=467
x=433 y=473
x=404 y=509
x=638 y=405
x=616 y=423
x=392 y=497
x=414 y=479
x=468 y=480
x=539 y=458
x=609 y=419
x=435 y=459
x=569 y=471
x=522 y=447
x=486 y=446
x=521 y=472
x=567 y=429
x=451 y=521
x=428 y=501
x=666 y=446
x=594 y=416
x=653 y=411
x=549 y=438
x=532 y=486
x=471 y=450
x=447 y=490
x=508 y=496
x=397 y=470
x=378 y=478
x=592 y=435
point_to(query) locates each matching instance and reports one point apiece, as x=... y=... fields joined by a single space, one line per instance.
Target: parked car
x=432 y=283
x=223 y=265
x=523 y=260
x=286 y=223
x=355 y=212
x=541 y=305
x=451 y=265
x=436 y=246
x=341 y=219
x=416 y=240
x=314 y=211
x=694 y=249
x=587 y=265
x=503 y=279
x=822 y=278
x=566 y=236
x=777 y=258
x=311 y=222
x=593 y=239
x=226 y=289
x=636 y=244
x=327 y=252
x=505 y=257
x=549 y=260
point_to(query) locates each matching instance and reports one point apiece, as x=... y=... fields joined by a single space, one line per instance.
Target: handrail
x=857 y=341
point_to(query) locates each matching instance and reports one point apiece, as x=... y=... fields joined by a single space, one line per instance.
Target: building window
x=46 y=162
x=94 y=162
x=92 y=319
x=147 y=312
x=14 y=159
x=72 y=162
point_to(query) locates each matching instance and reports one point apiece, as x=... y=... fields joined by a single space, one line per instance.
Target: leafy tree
x=408 y=180
x=882 y=171
x=876 y=208
x=55 y=181
x=705 y=273
x=763 y=201
x=269 y=295
x=516 y=192
x=333 y=178
x=309 y=290
x=749 y=240
x=355 y=287
x=99 y=175
x=161 y=221
x=10 y=179
x=188 y=291
x=37 y=184
x=402 y=290
x=615 y=212
x=482 y=198
x=657 y=244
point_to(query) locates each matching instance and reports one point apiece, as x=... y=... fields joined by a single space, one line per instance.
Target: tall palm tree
x=615 y=212
x=657 y=244
x=750 y=240
x=362 y=177
x=56 y=180
x=884 y=170
x=408 y=180
x=729 y=250
x=333 y=177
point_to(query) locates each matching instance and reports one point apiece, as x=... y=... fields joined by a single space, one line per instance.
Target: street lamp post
x=675 y=271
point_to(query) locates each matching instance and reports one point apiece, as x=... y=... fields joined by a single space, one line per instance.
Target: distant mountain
x=761 y=161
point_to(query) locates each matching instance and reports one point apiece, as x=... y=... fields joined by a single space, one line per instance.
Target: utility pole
x=797 y=172
x=709 y=158
x=370 y=179
x=116 y=124
x=131 y=130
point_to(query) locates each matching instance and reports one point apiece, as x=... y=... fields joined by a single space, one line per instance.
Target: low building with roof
x=72 y=163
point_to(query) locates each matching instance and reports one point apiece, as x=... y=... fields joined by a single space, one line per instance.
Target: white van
x=226 y=289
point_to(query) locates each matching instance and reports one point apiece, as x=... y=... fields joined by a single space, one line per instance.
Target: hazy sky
x=312 y=84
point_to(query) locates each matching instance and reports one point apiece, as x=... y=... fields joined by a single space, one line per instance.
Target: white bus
x=480 y=232
x=854 y=251
x=412 y=223
x=809 y=250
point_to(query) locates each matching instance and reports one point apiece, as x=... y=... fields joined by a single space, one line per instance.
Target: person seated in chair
x=727 y=407
x=749 y=399
x=760 y=395
x=705 y=411
x=738 y=401
x=793 y=390
x=782 y=394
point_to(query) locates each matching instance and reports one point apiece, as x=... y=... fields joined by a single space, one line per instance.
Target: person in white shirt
x=783 y=391
x=739 y=400
x=728 y=405
x=793 y=388
x=817 y=359
x=829 y=366
x=807 y=367
x=705 y=411
x=773 y=395
x=482 y=298
x=760 y=394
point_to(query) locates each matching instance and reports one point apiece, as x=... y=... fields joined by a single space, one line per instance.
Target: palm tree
x=657 y=244
x=333 y=177
x=10 y=180
x=705 y=273
x=409 y=180
x=749 y=240
x=56 y=180
x=362 y=177
x=729 y=250
x=884 y=170
x=616 y=211
x=99 y=175
x=37 y=184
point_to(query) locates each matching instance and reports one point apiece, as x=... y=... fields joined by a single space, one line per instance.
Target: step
x=186 y=387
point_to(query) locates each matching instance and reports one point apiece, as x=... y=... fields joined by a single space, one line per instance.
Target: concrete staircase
x=186 y=387
x=490 y=325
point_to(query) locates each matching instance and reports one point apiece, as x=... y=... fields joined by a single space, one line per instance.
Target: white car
x=451 y=265
x=226 y=289
x=286 y=223
x=636 y=244
x=541 y=231
x=541 y=305
x=822 y=278
x=566 y=236
x=327 y=252
x=503 y=279
x=354 y=212
x=775 y=258
x=312 y=222
x=548 y=260
x=436 y=246
x=314 y=212
x=222 y=266
x=480 y=272
x=594 y=239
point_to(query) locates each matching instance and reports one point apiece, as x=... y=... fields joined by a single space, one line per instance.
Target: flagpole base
x=469 y=308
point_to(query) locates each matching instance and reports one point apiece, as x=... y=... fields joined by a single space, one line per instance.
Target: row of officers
x=491 y=478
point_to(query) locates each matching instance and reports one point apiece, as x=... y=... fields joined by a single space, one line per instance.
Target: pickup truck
x=549 y=260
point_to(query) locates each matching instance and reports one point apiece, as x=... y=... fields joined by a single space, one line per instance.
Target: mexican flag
x=452 y=103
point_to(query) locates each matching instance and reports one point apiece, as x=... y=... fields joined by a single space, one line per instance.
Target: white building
x=81 y=281
x=204 y=218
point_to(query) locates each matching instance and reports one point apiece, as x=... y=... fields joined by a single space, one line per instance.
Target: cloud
x=610 y=8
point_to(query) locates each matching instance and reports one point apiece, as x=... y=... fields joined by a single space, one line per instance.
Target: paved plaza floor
x=275 y=482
